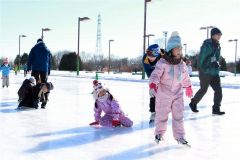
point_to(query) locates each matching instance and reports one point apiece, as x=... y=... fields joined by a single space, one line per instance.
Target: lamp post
x=109 y=51
x=235 y=68
x=148 y=36
x=144 y=32
x=45 y=29
x=79 y=20
x=165 y=35
x=207 y=28
x=185 y=46
x=19 y=52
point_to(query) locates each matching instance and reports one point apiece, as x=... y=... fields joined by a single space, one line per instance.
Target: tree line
x=66 y=61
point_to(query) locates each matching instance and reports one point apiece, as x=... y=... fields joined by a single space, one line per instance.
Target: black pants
x=25 y=73
x=214 y=82
x=152 y=104
x=41 y=77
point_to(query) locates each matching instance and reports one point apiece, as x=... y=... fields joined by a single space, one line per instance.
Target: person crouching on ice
x=166 y=83
x=104 y=102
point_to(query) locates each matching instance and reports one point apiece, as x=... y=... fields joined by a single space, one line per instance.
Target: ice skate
x=183 y=142
x=158 y=138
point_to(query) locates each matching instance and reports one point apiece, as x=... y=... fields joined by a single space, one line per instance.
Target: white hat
x=32 y=79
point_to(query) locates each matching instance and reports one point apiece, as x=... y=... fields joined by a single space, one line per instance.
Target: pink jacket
x=170 y=79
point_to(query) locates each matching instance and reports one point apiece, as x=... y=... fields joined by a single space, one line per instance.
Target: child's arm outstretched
x=97 y=115
x=186 y=82
x=116 y=113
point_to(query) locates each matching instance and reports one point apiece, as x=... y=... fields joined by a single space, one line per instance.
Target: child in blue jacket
x=5 y=68
x=149 y=61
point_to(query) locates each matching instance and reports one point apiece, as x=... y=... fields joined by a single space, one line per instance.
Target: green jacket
x=209 y=57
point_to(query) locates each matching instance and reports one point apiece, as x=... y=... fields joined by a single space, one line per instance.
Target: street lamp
x=45 y=29
x=165 y=35
x=144 y=32
x=109 y=51
x=207 y=28
x=149 y=35
x=79 y=19
x=19 y=40
x=235 y=68
x=185 y=45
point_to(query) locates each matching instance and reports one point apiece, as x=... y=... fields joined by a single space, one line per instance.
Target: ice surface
x=61 y=131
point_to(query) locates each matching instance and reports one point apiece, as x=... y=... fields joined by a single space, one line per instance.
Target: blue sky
x=122 y=20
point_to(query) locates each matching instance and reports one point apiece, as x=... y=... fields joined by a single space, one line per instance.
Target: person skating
x=104 y=102
x=5 y=68
x=149 y=61
x=166 y=83
x=209 y=72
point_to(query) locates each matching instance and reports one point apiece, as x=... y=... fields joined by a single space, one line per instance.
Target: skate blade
x=186 y=145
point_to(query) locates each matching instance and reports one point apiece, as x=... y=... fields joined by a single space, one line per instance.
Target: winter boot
x=158 y=138
x=152 y=117
x=43 y=105
x=217 y=111
x=193 y=107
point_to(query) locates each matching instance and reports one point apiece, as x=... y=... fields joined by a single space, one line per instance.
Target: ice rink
x=61 y=131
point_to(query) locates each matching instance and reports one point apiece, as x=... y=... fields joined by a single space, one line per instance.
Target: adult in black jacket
x=39 y=62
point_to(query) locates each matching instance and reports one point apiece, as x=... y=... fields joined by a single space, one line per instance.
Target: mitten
x=153 y=89
x=189 y=92
x=94 y=123
x=116 y=123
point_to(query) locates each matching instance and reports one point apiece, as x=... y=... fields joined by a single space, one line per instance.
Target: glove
x=189 y=92
x=94 y=123
x=153 y=89
x=116 y=123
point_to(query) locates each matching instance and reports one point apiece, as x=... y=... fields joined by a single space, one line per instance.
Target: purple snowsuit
x=112 y=111
x=170 y=80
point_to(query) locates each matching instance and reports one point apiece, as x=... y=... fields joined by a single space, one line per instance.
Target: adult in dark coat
x=209 y=72
x=39 y=62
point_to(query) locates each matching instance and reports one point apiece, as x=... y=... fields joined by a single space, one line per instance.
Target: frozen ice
x=62 y=131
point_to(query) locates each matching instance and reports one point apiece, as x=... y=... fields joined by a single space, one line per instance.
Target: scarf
x=172 y=60
x=103 y=98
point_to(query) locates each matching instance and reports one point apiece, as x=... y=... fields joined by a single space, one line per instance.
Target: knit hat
x=33 y=80
x=174 y=41
x=153 y=50
x=215 y=31
x=97 y=89
x=49 y=86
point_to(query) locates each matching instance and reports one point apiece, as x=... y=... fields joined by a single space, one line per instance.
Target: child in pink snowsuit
x=114 y=116
x=166 y=83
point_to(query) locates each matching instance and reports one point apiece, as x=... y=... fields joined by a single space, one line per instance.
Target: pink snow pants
x=165 y=104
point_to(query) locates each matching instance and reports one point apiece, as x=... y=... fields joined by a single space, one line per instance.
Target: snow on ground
x=62 y=132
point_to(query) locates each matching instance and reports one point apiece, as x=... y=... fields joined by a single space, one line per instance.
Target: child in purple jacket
x=114 y=116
